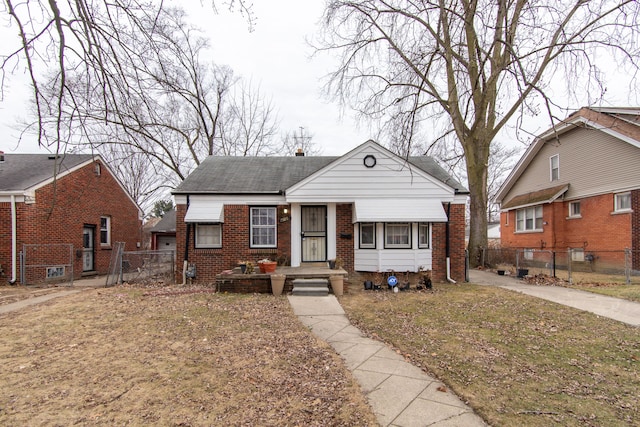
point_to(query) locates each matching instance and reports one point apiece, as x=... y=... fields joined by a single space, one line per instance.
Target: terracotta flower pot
x=267 y=267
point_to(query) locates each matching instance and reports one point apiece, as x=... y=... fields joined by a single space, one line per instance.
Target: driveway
x=602 y=305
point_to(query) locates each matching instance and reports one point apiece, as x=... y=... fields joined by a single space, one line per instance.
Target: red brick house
x=373 y=209
x=577 y=186
x=69 y=200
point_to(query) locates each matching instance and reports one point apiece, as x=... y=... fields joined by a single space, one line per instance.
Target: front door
x=314 y=233
x=87 y=248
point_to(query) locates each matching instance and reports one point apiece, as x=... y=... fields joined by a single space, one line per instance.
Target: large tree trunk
x=477 y=154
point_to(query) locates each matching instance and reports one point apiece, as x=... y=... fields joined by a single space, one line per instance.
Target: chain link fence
x=148 y=266
x=46 y=264
x=575 y=265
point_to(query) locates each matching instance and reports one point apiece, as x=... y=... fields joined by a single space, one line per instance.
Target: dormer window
x=554 y=162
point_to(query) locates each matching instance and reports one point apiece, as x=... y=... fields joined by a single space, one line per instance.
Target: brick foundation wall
x=62 y=209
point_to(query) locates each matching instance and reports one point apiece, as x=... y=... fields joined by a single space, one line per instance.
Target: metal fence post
x=627 y=265
x=22 y=267
x=569 y=252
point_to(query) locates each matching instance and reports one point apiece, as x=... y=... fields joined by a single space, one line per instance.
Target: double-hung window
x=105 y=230
x=208 y=235
x=263 y=230
x=554 y=162
x=423 y=235
x=623 y=202
x=529 y=219
x=574 y=210
x=397 y=235
x=367 y=235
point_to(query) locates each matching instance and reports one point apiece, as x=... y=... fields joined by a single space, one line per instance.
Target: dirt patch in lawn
x=516 y=359
x=170 y=356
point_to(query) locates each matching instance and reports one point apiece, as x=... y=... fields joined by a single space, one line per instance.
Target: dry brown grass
x=132 y=356
x=518 y=360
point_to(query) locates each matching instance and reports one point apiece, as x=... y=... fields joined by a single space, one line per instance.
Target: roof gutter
x=448 y=247
x=14 y=241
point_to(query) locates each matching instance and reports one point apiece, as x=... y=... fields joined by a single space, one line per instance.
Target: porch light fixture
x=284 y=215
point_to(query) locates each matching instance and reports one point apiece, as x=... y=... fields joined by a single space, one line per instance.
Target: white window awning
x=204 y=211
x=393 y=210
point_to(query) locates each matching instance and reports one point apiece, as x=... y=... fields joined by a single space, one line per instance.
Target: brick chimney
x=299 y=153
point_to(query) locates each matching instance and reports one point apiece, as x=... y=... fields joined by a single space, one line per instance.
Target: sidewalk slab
x=400 y=394
x=18 y=305
x=602 y=305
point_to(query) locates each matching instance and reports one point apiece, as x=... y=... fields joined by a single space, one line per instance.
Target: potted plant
x=243 y=266
x=267 y=266
x=250 y=268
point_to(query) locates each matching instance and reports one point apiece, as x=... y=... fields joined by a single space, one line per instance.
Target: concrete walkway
x=7 y=308
x=602 y=305
x=78 y=285
x=400 y=393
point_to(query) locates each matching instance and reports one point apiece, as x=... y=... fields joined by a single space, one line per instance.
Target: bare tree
x=469 y=67
x=249 y=124
x=299 y=140
x=130 y=82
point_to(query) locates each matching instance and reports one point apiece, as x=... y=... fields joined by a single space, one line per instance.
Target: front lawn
x=517 y=360
x=170 y=356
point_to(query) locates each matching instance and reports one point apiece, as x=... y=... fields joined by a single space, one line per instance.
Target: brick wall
x=635 y=228
x=344 y=228
x=235 y=244
x=456 y=245
x=62 y=209
x=597 y=229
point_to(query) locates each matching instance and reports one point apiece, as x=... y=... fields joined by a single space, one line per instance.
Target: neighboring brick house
x=577 y=186
x=71 y=199
x=375 y=210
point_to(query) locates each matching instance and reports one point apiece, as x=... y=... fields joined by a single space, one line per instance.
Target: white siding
x=348 y=179
x=399 y=260
x=591 y=161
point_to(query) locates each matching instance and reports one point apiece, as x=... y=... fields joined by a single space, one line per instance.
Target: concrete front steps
x=311 y=287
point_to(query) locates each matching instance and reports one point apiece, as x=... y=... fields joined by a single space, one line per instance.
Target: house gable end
x=601 y=120
x=369 y=171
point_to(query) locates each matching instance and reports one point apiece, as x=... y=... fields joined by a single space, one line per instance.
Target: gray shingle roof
x=167 y=224
x=272 y=175
x=21 y=171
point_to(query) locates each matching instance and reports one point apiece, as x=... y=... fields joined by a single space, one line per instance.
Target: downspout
x=448 y=250
x=14 y=241
x=185 y=262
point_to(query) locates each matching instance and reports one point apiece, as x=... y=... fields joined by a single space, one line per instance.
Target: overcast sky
x=274 y=56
